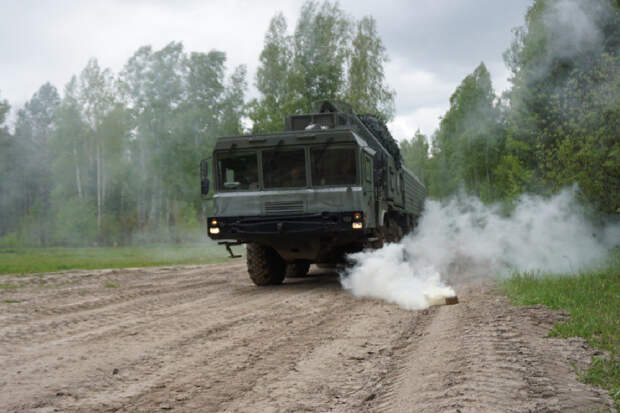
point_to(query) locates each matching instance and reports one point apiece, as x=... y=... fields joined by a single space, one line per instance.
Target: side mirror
x=204 y=177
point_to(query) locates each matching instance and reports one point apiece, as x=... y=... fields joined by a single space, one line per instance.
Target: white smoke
x=465 y=240
x=574 y=27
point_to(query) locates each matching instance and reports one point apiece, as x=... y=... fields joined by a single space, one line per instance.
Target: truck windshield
x=333 y=166
x=237 y=171
x=284 y=168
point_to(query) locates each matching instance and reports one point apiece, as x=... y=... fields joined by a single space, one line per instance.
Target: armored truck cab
x=324 y=187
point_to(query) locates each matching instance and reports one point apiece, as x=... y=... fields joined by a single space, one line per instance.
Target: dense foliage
x=329 y=56
x=592 y=300
x=114 y=159
x=557 y=125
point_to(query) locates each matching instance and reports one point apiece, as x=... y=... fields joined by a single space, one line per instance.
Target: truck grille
x=284 y=207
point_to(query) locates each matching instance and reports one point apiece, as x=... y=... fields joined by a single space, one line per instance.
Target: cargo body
x=330 y=184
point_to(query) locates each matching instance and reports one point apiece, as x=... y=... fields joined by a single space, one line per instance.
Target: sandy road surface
x=203 y=338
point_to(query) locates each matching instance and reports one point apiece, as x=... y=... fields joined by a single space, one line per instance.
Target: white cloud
x=426 y=119
x=416 y=87
x=57 y=39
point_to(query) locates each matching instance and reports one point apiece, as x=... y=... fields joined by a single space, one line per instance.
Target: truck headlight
x=358 y=220
x=214 y=226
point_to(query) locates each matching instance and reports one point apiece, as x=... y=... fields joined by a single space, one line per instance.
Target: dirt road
x=202 y=338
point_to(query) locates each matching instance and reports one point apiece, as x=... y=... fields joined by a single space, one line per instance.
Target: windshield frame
x=307 y=148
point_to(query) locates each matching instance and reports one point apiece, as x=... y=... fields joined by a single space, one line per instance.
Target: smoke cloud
x=574 y=27
x=466 y=240
x=574 y=30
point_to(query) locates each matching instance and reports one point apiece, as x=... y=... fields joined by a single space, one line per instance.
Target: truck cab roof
x=304 y=137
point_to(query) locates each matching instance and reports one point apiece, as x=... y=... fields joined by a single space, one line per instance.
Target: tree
x=272 y=78
x=233 y=105
x=321 y=45
x=4 y=110
x=97 y=99
x=469 y=141
x=33 y=128
x=179 y=105
x=154 y=87
x=329 y=56
x=9 y=191
x=69 y=146
x=415 y=154
x=366 y=89
x=563 y=101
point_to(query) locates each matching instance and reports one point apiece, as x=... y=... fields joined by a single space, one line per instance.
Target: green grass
x=593 y=301
x=33 y=260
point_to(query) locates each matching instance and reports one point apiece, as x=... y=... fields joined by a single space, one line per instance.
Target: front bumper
x=257 y=227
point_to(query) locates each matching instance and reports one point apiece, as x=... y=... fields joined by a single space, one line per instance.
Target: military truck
x=332 y=183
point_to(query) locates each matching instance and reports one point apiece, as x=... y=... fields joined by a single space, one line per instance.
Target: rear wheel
x=297 y=269
x=265 y=266
x=392 y=231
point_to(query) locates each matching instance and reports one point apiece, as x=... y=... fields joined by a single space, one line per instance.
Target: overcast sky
x=432 y=44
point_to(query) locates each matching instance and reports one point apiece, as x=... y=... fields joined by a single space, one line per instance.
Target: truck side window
x=237 y=171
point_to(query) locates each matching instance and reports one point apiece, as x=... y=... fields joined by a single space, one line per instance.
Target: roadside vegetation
x=33 y=260
x=593 y=301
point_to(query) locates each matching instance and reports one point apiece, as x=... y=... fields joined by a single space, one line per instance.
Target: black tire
x=265 y=266
x=297 y=269
x=392 y=232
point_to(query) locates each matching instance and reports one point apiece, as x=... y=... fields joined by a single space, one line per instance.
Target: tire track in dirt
x=487 y=356
x=240 y=363
x=202 y=338
x=51 y=301
x=128 y=294
x=104 y=311
x=172 y=323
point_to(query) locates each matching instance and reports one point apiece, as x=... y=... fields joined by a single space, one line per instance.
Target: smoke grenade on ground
x=465 y=240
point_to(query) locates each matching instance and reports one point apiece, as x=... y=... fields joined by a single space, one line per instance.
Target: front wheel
x=265 y=266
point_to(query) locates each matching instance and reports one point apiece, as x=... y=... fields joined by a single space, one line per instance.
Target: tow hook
x=230 y=251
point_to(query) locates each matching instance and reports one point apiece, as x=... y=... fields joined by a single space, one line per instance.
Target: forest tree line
x=557 y=125
x=113 y=159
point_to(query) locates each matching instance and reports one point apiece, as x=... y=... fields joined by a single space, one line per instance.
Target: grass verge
x=593 y=301
x=33 y=260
